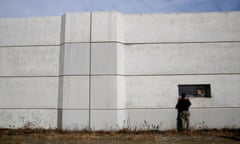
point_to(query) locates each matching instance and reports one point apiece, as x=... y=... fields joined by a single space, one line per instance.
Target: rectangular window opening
x=195 y=90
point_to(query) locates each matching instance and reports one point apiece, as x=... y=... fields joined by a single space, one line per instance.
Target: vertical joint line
x=90 y=71
x=61 y=71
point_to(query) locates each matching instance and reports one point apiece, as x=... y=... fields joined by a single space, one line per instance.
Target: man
x=182 y=106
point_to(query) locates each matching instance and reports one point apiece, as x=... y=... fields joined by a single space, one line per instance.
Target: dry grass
x=122 y=136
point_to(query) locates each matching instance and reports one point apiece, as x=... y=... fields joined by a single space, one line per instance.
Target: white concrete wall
x=22 y=61
x=178 y=27
x=163 y=51
x=74 y=71
x=30 y=31
x=107 y=70
x=187 y=58
x=29 y=70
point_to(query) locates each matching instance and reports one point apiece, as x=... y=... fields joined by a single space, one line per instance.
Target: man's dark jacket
x=183 y=105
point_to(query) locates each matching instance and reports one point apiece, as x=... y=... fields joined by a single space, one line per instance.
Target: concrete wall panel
x=151 y=92
x=150 y=119
x=121 y=92
x=32 y=92
x=195 y=58
x=162 y=119
x=75 y=119
x=77 y=27
x=76 y=92
x=215 y=118
x=104 y=119
x=104 y=92
x=107 y=26
x=76 y=59
x=108 y=103
x=28 y=118
x=162 y=91
x=30 y=31
x=182 y=27
x=107 y=58
x=104 y=58
x=29 y=61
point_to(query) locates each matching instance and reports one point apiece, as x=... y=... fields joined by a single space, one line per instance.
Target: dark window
x=195 y=90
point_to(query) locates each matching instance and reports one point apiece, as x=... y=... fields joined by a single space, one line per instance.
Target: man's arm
x=189 y=102
x=177 y=105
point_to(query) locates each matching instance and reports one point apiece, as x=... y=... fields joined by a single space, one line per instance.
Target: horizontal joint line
x=95 y=75
x=25 y=76
x=28 y=108
x=121 y=75
x=124 y=43
x=170 y=108
x=153 y=74
x=96 y=109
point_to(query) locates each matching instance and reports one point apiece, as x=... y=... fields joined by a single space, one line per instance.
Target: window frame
x=206 y=87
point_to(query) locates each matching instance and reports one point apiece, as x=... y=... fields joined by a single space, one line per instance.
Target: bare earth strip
x=29 y=136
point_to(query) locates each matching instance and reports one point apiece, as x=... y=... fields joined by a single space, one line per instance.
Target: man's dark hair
x=183 y=95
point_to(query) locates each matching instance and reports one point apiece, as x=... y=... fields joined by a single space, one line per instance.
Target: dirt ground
x=29 y=136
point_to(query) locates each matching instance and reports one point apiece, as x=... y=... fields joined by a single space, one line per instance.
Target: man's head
x=183 y=95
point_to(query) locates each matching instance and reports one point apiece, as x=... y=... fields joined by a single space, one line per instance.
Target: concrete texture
x=162 y=91
x=75 y=27
x=215 y=118
x=104 y=119
x=192 y=58
x=28 y=118
x=107 y=27
x=76 y=59
x=104 y=92
x=104 y=58
x=22 y=61
x=151 y=119
x=75 y=119
x=107 y=58
x=30 y=31
x=108 y=71
x=28 y=92
x=75 y=92
x=178 y=27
